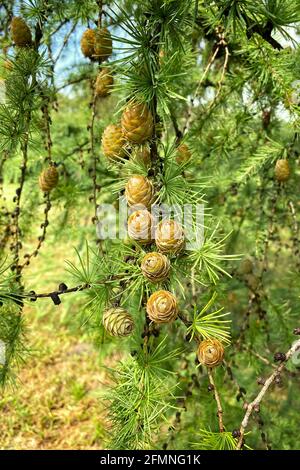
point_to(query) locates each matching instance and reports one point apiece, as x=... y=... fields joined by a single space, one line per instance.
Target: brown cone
x=48 y=179
x=104 y=83
x=169 y=236
x=103 y=43
x=155 y=267
x=162 y=307
x=137 y=123
x=183 y=154
x=140 y=226
x=139 y=191
x=88 y=43
x=20 y=32
x=282 y=170
x=8 y=65
x=113 y=142
x=210 y=352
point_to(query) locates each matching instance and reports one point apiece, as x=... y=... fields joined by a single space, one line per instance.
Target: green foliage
x=207 y=256
x=140 y=398
x=265 y=155
x=208 y=440
x=13 y=346
x=210 y=324
x=218 y=77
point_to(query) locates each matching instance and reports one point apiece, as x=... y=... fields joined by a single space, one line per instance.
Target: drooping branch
x=254 y=405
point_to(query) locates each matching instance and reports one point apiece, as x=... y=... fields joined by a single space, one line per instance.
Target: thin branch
x=93 y=154
x=34 y=296
x=65 y=41
x=192 y=101
x=73 y=82
x=42 y=237
x=254 y=405
x=217 y=398
x=78 y=148
x=220 y=82
x=63 y=23
x=63 y=289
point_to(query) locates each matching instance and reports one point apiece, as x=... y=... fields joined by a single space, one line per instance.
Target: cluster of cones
x=162 y=305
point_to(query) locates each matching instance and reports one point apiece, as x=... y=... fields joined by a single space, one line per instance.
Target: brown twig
x=16 y=214
x=93 y=155
x=65 y=42
x=73 y=82
x=254 y=405
x=220 y=82
x=217 y=398
x=42 y=237
x=63 y=289
x=193 y=98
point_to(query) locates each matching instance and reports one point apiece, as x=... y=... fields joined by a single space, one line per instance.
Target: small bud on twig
x=236 y=433
x=279 y=357
x=256 y=408
x=261 y=381
x=62 y=287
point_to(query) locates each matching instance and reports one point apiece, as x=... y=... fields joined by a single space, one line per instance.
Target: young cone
x=282 y=170
x=104 y=83
x=113 y=142
x=155 y=267
x=118 y=322
x=137 y=123
x=162 y=307
x=139 y=191
x=210 y=352
x=103 y=43
x=169 y=236
x=48 y=179
x=20 y=32
x=183 y=154
x=8 y=65
x=140 y=226
x=88 y=43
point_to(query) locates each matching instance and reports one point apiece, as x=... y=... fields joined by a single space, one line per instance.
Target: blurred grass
x=56 y=401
